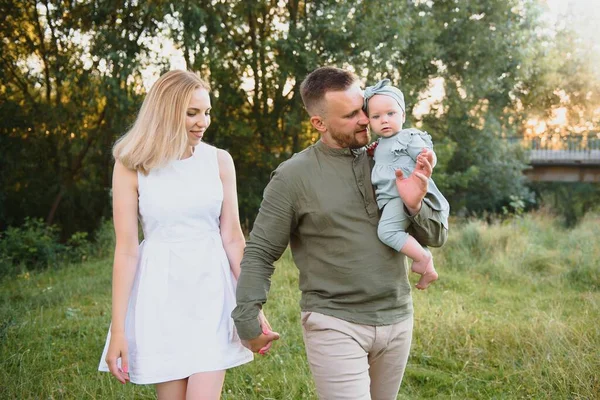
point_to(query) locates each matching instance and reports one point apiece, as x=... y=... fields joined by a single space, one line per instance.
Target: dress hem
x=138 y=380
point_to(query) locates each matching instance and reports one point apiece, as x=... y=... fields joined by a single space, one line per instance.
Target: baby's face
x=385 y=115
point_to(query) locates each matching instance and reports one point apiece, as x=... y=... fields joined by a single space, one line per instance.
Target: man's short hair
x=323 y=80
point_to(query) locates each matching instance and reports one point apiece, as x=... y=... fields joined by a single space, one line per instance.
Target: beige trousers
x=356 y=362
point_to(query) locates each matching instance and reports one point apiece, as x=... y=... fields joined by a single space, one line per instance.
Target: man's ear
x=318 y=123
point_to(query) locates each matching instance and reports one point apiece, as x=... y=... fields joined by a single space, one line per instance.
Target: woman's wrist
x=117 y=331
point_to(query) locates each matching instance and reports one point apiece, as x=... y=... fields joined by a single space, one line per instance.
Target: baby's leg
x=393 y=224
x=422 y=262
x=392 y=231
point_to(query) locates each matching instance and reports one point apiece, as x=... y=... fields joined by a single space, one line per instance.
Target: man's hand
x=261 y=344
x=413 y=189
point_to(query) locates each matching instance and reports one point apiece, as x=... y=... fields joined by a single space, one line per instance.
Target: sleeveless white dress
x=178 y=320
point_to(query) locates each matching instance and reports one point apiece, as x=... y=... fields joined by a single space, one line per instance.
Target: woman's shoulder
x=122 y=169
x=221 y=154
x=124 y=175
x=224 y=158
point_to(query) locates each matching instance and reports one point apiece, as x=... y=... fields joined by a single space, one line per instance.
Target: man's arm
x=426 y=226
x=268 y=240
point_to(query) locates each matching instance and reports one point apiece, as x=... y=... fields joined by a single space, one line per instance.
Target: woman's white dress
x=178 y=320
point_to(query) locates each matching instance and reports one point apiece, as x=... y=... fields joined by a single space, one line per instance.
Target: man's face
x=345 y=122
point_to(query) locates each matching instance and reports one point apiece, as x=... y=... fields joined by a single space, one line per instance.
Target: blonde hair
x=159 y=134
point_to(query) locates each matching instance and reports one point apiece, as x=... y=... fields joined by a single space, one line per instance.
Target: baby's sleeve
x=419 y=141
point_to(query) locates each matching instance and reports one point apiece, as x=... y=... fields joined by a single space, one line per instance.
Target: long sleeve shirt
x=322 y=203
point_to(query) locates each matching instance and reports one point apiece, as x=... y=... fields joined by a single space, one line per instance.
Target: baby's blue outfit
x=400 y=151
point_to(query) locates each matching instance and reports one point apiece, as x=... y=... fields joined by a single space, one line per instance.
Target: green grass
x=515 y=315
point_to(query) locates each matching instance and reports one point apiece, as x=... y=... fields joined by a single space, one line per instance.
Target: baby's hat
x=384 y=87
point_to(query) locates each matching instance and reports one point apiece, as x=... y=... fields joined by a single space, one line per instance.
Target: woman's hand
x=266 y=328
x=262 y=343
x=117 y=348
x=264 y=323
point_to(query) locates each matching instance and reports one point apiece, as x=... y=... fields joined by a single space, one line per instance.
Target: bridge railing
x=566 y=150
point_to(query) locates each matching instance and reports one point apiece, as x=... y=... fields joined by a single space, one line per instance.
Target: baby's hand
x=371 y=148
x=429 y=155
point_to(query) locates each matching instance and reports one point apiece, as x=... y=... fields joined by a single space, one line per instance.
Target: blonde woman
x=173 y=293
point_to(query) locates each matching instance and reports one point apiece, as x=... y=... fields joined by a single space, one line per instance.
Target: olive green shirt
x=322 y=203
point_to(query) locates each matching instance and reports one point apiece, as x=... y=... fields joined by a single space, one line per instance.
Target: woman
x=173 y=294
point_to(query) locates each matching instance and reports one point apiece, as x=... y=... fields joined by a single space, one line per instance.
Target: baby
x=399 y=149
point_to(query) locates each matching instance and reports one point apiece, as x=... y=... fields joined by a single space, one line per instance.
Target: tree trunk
x=55 y=204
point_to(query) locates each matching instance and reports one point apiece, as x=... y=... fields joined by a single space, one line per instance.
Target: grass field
x=515 y=315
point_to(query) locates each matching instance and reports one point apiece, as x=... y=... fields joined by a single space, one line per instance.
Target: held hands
x=412 y=190
x=262 y=343
x=117 y=348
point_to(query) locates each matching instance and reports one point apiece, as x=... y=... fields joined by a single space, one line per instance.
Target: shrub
x=33 y=245
x=104 y=239
x=78 y=247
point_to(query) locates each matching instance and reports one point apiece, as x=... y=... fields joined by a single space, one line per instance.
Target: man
x=356 y=302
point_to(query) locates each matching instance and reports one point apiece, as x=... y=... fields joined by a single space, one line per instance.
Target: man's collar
x=338 y=152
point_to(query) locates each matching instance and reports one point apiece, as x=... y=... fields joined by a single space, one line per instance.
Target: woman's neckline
x=194 y=151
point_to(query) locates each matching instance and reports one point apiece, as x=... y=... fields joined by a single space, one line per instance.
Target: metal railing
x=564 y=150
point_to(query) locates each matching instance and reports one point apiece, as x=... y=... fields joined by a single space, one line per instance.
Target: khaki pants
x=356 y=362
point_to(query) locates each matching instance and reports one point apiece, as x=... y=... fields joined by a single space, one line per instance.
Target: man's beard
x=350 y=141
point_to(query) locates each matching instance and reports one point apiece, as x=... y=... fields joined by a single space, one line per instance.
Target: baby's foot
x=425 y=268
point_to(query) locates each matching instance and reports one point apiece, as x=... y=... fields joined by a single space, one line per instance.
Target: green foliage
x=516 y=206
x=484 y=171
x=584 y=254
x=72 y=82
x=33 y=245
x=71 y=77
x=78 y=247
x=570 y=200
x=490 y=328
x=528 y=246
x=104 y=240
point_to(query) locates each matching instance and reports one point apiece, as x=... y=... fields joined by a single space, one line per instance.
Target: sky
x=586 y=14
x=588 y=8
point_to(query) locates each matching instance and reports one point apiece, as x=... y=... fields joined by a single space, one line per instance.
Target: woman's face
x=197 y=117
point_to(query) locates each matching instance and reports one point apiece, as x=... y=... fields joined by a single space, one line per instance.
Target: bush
x=78 y=247
x=33 y=245
x=104 y=240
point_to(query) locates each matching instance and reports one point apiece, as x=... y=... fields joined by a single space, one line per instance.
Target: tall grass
x=515 y=314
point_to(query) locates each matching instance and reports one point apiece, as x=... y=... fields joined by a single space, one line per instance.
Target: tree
x=72 y=83
x=481 y=45
x=68 y=88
